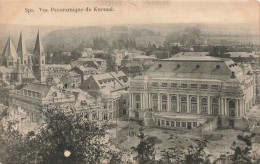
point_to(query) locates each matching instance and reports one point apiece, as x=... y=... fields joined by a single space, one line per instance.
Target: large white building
x=193 y=91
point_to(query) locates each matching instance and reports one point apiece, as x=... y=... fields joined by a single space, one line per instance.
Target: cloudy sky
x=130 y=12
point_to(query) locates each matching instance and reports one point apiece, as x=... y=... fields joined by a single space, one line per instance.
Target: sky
x=130 y=12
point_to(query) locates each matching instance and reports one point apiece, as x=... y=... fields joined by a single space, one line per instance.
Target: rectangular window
x=193 y=85
x=214 y=86
x=184 y=85
x=173 y=85
x=163 y=122
x=154 y=84
x=164 y=84
x=204 y=86
x=178 y=124
x=167 y=123
x=194 y=124
x=183 y=124
x=172 y=123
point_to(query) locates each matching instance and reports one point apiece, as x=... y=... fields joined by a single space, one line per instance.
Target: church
x=20 y=67
x=191 y=92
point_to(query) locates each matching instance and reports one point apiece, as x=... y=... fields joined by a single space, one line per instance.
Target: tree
x=67 y=137
x=146 y=148
x=219 y=51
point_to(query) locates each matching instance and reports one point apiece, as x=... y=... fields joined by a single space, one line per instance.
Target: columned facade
x=213 y=92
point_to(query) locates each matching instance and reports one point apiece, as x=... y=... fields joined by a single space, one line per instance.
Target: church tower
x=21 y=51
x=9 y=56
x=39 y=60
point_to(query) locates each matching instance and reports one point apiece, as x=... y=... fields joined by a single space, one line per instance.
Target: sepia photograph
x=130 y=82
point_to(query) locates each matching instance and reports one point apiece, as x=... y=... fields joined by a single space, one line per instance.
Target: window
x=194 y=124
x=167 y=123
x=204 y=105
x=214 y=86
x=184 y=85
x=164 y=84
x=164 y=102
x=193 y=85
x=232 y=106
x=215 y=106
x=178 y=124
x=172 y=123
x=193 y=105
x=155 y=101
x=173 y=85
x=204 y=86
x=174 y=103
x=137 y=101
x=163 y=122
x=183 y=104
x=183 y=124
x=94 y=116
x=154 y=84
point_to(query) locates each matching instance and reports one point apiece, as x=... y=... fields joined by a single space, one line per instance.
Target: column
x=209 y=105
x=222 y=106
x=236 y=110
x=198 y=104
x=159 y=102
x=130 y=100
x=133 y=100
x=178 y=103
x=219 y=106
x=188 y=103
x=168 y=101
x=241 y=108
x=141 y=100
x=225 y=109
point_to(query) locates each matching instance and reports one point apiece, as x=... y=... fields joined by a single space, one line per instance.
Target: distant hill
x=57 y=38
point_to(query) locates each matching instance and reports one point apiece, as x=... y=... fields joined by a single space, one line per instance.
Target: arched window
x=174 y=103
x=183 y=104
x=138 y=101
x=193 y=105
x=164 y=102
x=215 y=106
x=204 y=105
x=155 y=102
x=232 y=106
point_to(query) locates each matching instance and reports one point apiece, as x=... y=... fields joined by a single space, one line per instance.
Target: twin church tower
x=23 y=65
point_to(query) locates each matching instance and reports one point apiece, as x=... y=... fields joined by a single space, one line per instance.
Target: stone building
x=181 y=88
x=34 y=95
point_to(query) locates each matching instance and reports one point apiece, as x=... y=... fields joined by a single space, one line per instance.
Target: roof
x=3 y=69
x=143 y=57
x=64 y=66
x=191 y=54
x=196 y=67
x=111 y=80
x=194 y=58
x=28 y=75
x=90 y=59
x=9 y=50
x=41 y=88
x=21 y=50
x=38 y=44
x=243 y=54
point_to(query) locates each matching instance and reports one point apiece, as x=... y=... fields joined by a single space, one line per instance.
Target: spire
x=21 y=50
x=38 y=45
x=9 y=50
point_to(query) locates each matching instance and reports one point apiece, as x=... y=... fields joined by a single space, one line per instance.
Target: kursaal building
x=193 y=92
